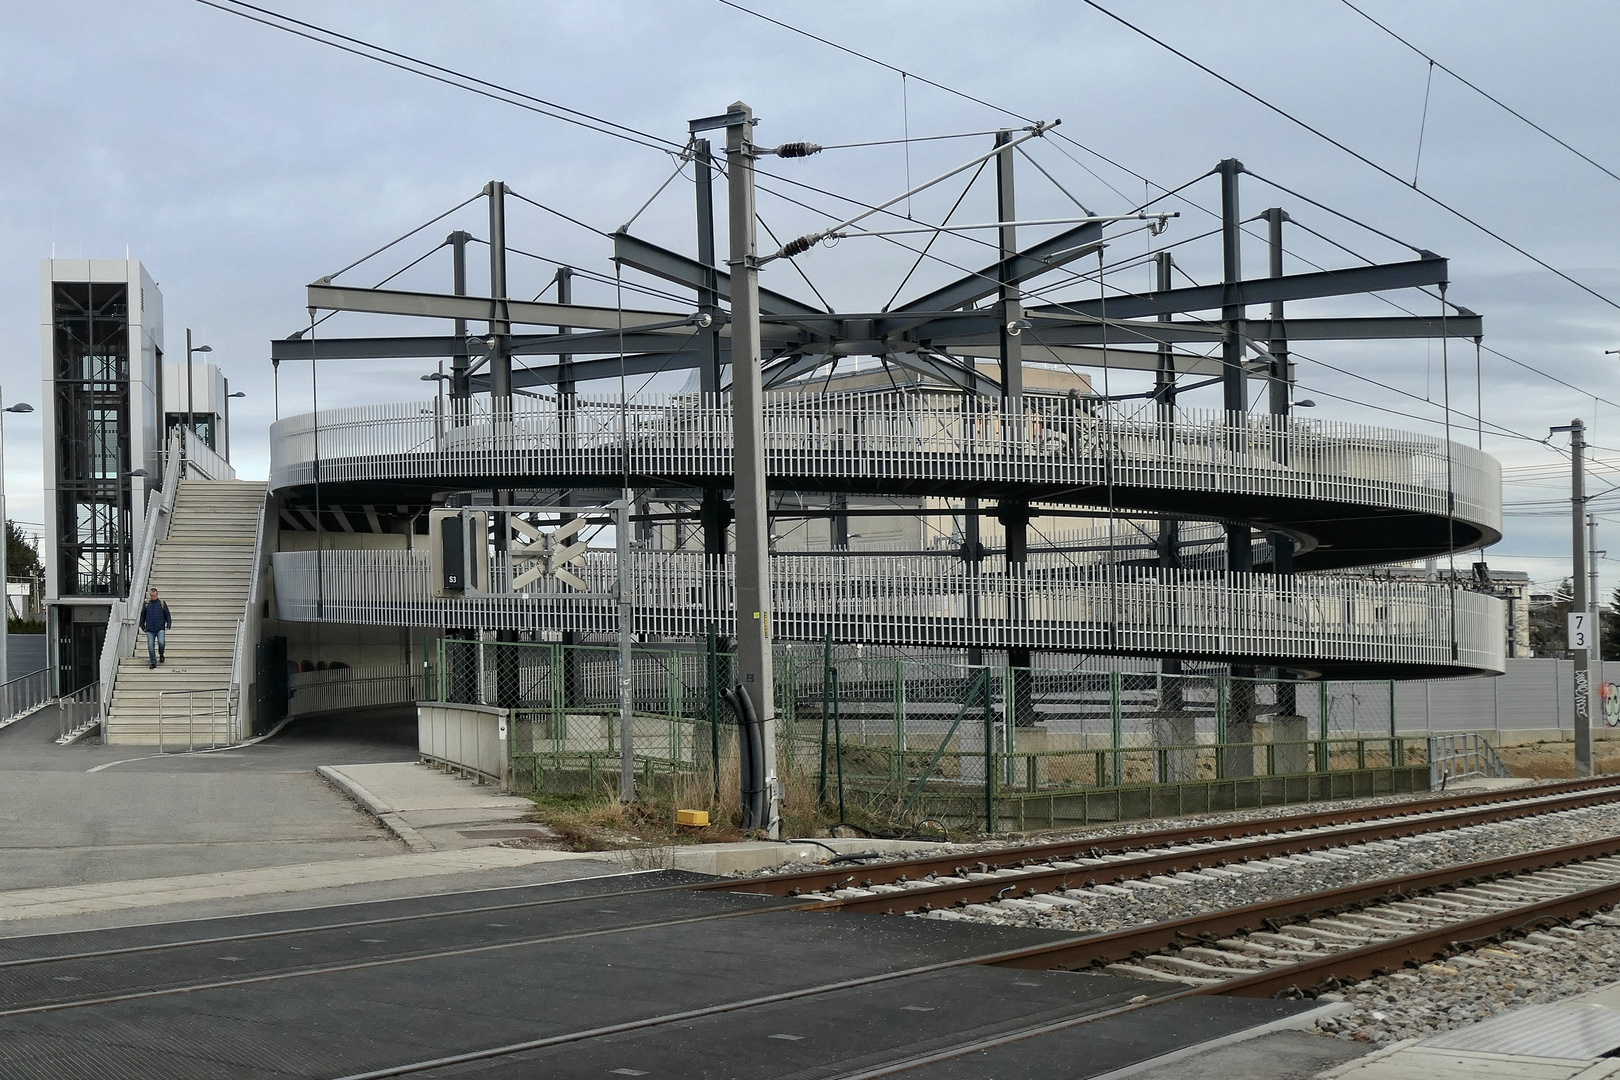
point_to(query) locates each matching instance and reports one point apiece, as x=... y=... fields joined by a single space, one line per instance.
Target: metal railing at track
x=939 y=601
x=210 y=713
x=874 y=439
x=1458 y=757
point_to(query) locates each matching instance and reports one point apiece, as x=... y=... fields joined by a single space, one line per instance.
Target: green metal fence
x=903 y=738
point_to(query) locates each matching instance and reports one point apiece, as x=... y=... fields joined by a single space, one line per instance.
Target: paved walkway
x=64 y=901
x=1568 y=1040
x=433 y=810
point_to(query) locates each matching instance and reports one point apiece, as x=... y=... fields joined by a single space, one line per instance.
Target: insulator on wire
x=797 y=149
x=798 y=247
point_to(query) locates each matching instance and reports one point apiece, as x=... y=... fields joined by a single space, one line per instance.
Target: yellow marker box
x=691 y=817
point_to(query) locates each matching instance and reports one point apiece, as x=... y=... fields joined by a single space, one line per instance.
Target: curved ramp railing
x=938 y=600
x=901 y=438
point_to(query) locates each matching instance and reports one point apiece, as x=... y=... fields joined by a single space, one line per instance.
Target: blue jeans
x=155 y=640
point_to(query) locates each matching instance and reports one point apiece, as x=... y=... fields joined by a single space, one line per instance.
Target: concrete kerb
x=384 y=813
x=747 y=857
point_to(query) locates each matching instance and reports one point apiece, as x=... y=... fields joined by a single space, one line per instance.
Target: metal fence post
x=989 y=756
x=1222 y=684
x=1325 y=753
x=714 y=709
x=826 y=708
x=1117 y=726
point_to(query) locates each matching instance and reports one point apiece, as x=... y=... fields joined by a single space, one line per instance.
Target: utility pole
x=1580 y=609
x=753 y=581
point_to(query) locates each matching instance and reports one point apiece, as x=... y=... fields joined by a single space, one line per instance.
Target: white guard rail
x=202 y=462
x=248 y=631
x=938 y=600
x=121 y=628
x=470 y=739
x=1041 y=441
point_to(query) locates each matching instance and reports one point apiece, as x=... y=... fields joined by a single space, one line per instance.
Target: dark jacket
x=155 y=616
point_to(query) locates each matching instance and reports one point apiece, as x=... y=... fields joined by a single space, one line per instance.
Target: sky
x=240 y=162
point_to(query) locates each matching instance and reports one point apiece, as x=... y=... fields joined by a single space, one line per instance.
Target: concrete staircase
x=203 y=572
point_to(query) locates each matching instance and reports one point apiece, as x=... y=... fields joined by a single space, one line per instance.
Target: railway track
x=1042 y=874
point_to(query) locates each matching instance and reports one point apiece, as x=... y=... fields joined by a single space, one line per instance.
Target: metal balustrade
x=25 y=695
x=351 y=688
x=893 y=441
x=208 y=717
x=939 y=600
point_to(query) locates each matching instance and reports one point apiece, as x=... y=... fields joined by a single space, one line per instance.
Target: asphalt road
x=83 y=814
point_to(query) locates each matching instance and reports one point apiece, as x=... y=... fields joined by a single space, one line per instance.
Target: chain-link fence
x=900 y=737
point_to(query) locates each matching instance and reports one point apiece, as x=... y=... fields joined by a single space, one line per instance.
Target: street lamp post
x=227 y=421
x=5 y=623
x=191 y=415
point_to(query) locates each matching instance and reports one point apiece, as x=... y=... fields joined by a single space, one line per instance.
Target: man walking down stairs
x=204 y=569
x=154 y=623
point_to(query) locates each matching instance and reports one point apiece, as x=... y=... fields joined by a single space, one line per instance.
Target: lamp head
x=1306 y=404
x=202 y=348
x=20 y=407
x=239 y=393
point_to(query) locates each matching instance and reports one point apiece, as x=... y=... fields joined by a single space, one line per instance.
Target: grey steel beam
x=606 y=367
x=1033 y=261
x=1142 y=332
x=324 y=296
x=674 y=267
x=1414 y=273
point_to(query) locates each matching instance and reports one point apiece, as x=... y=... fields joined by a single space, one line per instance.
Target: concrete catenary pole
x=1582 y=657
x=753 y=583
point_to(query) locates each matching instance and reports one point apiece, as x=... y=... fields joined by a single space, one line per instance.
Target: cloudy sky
x=240 y=162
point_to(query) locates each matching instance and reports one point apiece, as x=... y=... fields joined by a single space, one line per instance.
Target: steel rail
x=1013 y=857
x=1120 y=945
x=1354 y=965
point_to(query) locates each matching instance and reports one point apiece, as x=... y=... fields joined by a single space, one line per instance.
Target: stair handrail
x=249 y=626
x=122 y=619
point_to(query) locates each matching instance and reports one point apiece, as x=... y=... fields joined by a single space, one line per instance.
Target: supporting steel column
x=460 y=376
x=1280 y=379
x=714 y=513
x=500 y=360
x=753 y=584
x=1234 y=386
x=1013 y=513
x=1174 y=727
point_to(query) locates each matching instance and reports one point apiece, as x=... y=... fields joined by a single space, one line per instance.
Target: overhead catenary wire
x=1504 y=106
x=438 y=73
x=1369 y=162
